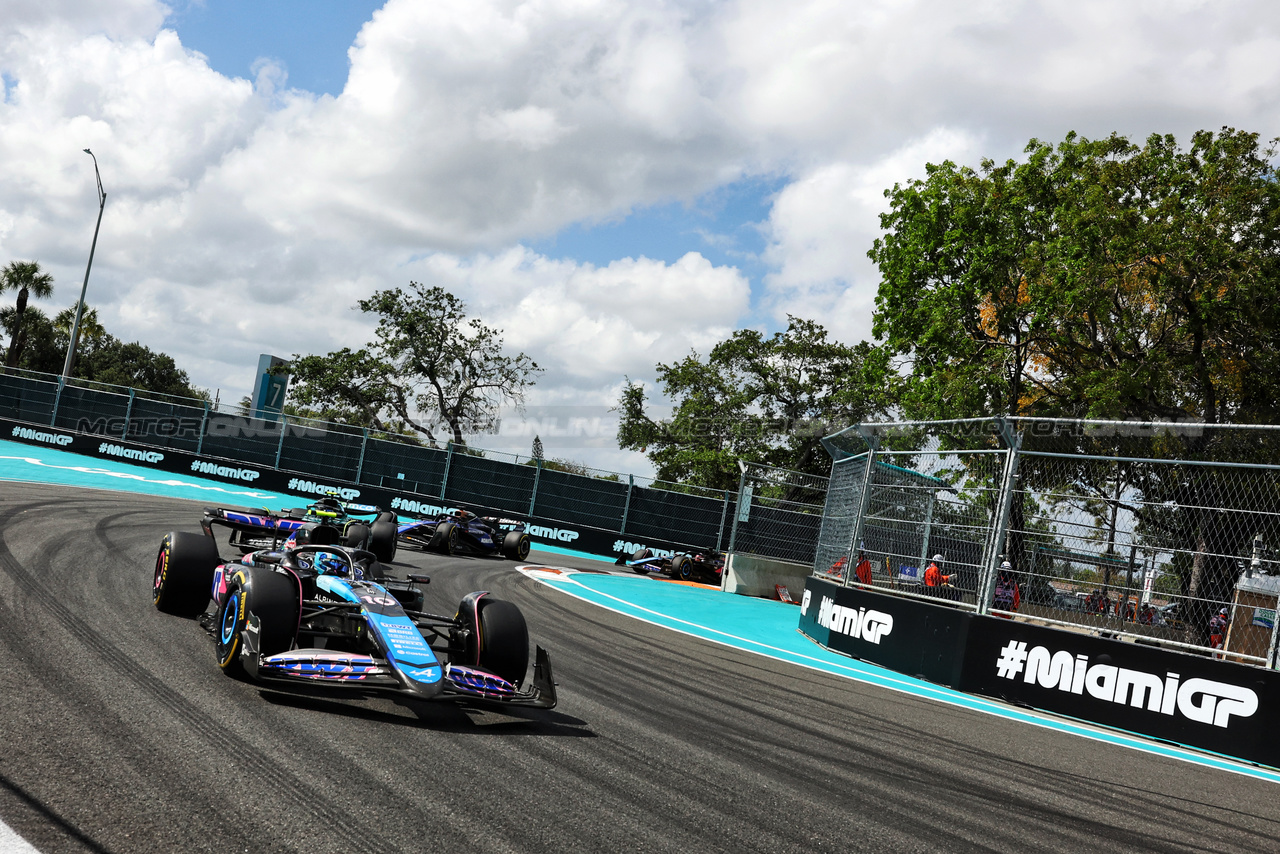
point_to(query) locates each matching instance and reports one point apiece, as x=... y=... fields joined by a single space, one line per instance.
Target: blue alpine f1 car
x=320 y=613
x=255 y=530
x=463 y=532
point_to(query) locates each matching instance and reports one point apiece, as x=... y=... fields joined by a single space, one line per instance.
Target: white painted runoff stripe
x=12 y=843
x=850 y=668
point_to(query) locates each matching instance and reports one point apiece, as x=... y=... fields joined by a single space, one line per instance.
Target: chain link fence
x=1160 y=533
x=778 y=513
x=636 y=508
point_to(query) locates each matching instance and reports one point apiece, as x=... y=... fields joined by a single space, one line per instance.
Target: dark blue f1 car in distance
x=323 y=614
x=702 y=565
x=255 y=530
x=463 y=532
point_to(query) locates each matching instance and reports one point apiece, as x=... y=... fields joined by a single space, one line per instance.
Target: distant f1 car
x=255 y=530
x=464 y=532
x=313 y=615
x=704 y=565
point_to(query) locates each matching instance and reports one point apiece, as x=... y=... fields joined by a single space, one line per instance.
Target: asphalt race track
x=119 y=734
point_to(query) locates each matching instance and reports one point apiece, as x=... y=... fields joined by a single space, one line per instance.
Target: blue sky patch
x=309 y=38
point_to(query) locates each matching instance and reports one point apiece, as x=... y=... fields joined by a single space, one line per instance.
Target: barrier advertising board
x=916 y=638
x=1216 y=705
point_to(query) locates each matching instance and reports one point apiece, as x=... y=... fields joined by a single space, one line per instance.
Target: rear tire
x=680 y=567
x=270 y=599
x=183 y=579
x=515 y=545
x=383 y=539
x=356 y=536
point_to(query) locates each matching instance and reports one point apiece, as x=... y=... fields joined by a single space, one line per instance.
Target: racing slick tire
x=500 y=644
x=383 y=537
x=356 y=536
x=682 y=567
x=183 y=578
x=641 y=554
x=445 y=540
x=515 y=545
x=268 y=598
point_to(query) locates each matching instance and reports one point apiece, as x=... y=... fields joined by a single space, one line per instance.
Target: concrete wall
x=752 y=575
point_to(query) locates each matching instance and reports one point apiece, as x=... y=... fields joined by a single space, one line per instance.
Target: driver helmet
x=328 y=563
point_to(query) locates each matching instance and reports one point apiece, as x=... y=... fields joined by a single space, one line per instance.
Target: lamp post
x=75 y=326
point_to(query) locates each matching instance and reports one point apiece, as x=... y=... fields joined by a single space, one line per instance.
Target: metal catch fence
x=633 y=507
x=778 y=512
x=1161 y=533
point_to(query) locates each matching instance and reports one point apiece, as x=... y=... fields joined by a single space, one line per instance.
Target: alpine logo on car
x=1202 y=700
x=563 y=535
x=59 y=439
x=299 y=485
x=200 y=467
x=130 y=453
x=868 y=625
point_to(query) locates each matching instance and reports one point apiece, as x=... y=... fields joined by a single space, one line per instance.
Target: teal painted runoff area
x=755 y=625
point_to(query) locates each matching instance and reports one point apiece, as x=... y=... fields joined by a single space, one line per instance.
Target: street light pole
x=75 y=326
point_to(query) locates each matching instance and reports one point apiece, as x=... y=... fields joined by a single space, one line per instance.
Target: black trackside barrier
x=915 y=638
x=1193 y=700
x=310 y=487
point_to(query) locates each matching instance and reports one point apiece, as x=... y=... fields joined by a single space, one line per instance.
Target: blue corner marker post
x=269 y=389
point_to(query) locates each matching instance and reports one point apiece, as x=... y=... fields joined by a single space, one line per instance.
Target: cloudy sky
x=611 y=183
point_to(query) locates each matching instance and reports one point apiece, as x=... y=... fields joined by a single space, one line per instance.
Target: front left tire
x=183 y=579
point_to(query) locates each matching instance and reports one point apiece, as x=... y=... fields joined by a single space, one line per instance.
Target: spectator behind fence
x=934 y=580
x=1218 y=628
x=1007 y=597
x=863 y=569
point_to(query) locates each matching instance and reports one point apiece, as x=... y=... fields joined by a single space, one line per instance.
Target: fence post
x=995 y=544
x=284 y=426
x=364 y=440
x=873 y=443
x=744 y=507
x=1271 y=648
x=57 y=396
x=448 y=459
x=724 y=511
x=928 y=530
x=128 y=414
x=204 y=424
x=533 y=496
x=626 y=506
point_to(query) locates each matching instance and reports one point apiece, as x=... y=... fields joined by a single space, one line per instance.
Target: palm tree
x=26 y=278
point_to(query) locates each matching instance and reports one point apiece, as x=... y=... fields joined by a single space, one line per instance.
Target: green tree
x=427 y=357
x=755 y=398
x=1095 y=279
x=101 y=358
x=1103 y=279
x=28 y=280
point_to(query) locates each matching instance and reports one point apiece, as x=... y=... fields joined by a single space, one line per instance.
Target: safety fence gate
x=1160 y=533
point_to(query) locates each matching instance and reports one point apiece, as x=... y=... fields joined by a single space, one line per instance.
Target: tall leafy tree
x=428 y=359
x=1098 y=278
x=28 y=280
x=102 y=357
x=757 y=398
